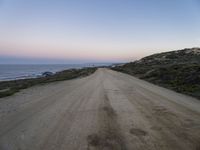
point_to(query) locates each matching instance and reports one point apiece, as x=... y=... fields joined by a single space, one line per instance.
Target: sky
x=81 y=31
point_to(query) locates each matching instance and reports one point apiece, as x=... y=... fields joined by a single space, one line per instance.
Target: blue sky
x=61 y=31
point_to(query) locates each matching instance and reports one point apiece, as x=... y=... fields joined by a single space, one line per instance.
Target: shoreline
x=26 y=71
x=8 y=88
x=9 y=72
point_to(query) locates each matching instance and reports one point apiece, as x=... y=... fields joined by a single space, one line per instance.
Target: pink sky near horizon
x=98 y=31
x=98 y=49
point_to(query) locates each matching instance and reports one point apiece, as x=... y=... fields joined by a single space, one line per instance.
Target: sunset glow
x=96 y=31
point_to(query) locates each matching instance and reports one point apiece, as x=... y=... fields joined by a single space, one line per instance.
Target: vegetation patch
x=176 y=70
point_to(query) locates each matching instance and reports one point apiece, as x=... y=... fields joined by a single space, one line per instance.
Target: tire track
x=109 y=136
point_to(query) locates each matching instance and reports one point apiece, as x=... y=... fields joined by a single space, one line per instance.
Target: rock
x=47 y=74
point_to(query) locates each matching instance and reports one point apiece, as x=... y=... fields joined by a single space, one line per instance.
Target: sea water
x=19 y=71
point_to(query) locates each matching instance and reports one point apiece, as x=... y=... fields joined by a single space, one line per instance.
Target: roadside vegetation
x=8 y=88
x=176 y=70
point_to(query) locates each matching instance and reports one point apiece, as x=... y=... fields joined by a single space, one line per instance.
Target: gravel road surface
x=107 y=110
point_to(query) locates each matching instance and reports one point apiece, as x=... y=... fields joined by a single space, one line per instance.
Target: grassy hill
x=177 y=70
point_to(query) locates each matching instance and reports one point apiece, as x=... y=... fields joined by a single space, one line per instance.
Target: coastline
x=10 y=72
x=8 y=88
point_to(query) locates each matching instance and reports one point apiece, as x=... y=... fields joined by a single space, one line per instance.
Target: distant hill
x=177 y=70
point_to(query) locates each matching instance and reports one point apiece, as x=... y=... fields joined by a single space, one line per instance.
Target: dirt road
x=104 y=111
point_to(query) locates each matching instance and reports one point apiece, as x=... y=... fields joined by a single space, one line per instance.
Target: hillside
x=177 y=70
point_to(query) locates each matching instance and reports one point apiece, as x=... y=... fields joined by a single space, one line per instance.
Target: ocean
x=14 y=72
